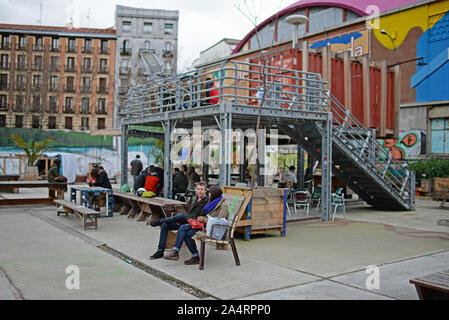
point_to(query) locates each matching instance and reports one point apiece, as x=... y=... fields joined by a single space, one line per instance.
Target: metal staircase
x=357 y=158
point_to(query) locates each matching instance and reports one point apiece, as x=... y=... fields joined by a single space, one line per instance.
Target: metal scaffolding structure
x=289 y=101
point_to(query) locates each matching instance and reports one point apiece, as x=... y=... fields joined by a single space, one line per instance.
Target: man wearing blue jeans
x=177 y=221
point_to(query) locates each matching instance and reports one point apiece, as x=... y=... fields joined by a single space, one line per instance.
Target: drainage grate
x=158 y=274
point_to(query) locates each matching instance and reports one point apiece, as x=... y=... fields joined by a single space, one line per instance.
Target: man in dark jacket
x=176 y=221
x=180 y=181
x=101 y=178
x=136 y=168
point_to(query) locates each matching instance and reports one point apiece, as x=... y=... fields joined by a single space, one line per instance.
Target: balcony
x=102 y=90
x=103 y=69
x=86 y=89
x=123 y=90
x=55 y=49
x=4 y=87
x=69 y=89
x=104 y=51
x=21 y=47
x=87 y=50
x=101 y=111
x=18 y=108
x=36 y=108
x=86 y=69
x=20 y=86
x=70 y=69
x=126 y=51
x=37 y=87
x=36 y=67
x=4 y=107
x=5 y=46
x=53 y=88
x=52 y=109
x=71 y=49
x=38 y=47
x=125 y=70
x=68 y=109
x=21 y=66
x=54 y=67
x=168 y=53
x=5 y=66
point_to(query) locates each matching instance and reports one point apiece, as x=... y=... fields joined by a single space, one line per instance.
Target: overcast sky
x=202 y=23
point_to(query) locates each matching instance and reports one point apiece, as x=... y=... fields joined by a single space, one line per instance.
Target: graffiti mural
x=409 y=145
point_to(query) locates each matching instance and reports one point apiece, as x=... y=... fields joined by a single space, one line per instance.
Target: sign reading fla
x=357 y=43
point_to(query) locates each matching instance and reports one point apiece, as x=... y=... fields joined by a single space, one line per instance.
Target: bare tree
x=252 y=10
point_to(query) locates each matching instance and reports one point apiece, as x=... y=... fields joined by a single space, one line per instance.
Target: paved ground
x=316 y=260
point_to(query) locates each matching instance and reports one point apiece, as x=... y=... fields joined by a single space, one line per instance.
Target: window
x=55 y=44
x=84 y=123
x=102 y=86
x=70 y=84
x=103 y=65
x=71 y=46
x=101 y=123
x=19 y=104
x=5 y=43
x=104 y=46
x=147 y=27
x=2 y=121
x=85 y=105
x=3 y=81
x=126 y=46
x=22 y=42
x=39 y=44
x=440 y=135
x=36 y=103
x=3 y=101
x=37 y=63
x=101 y=106
x=54 y=83
x=35 y=122
x=4 y=59
x=168 y=28
x=51 y=122
x=54 y=63
x=69 y=104
x=126 y=26
x=85 y=84
x=21 y=62
x=19 y=121
x=20 y=82
x=52 y=104
x=68 y=123
x=87 y=63
x=88 y=45
x=147 y=45
x=70 y=64
x=37 y=81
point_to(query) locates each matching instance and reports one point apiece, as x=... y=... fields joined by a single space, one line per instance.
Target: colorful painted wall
x=410 y=145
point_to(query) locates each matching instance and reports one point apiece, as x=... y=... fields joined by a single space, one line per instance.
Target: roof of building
x=55 y=29
x=358 y=6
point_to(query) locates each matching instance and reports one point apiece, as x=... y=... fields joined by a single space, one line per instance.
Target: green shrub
x=432 y=168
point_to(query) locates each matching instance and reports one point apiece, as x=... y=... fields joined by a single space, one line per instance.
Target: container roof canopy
x=360 y=7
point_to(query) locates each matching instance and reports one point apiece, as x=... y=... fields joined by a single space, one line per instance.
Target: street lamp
x=296 y=20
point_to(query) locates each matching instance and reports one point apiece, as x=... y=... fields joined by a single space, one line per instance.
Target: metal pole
x=124 y=155
x=326 y=169
x=167 y=163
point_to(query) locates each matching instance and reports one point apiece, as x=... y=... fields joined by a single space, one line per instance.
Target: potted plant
x=32 y=151
x=428 y=170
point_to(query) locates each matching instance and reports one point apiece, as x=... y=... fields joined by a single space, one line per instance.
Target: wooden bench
x=9 y=177
x=443 y=197
x=434 y=286
x=154 y=208
x=86 y=215
x=53 y=187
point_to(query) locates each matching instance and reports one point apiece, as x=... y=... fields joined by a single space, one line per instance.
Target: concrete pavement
x=315 y=260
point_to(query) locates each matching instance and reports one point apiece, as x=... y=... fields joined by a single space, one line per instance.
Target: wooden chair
x=229 y=235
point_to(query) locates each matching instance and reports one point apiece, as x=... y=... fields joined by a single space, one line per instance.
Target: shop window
x=440 y=135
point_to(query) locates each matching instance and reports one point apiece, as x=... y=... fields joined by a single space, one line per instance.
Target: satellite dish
x=296 y=19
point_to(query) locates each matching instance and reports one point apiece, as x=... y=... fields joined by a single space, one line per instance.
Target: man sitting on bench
x=176 y=221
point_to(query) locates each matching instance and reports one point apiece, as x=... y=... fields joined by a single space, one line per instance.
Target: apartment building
x=56 y=77
x=142 y=30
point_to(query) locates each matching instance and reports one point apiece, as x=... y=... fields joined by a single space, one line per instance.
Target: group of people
x=152 y=178
x=204 y=207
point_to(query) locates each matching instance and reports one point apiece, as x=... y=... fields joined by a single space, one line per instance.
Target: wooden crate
x=265 y=211
x=440 y=185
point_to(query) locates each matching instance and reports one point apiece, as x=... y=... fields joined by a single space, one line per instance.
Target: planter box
x=440 y=185
x=31 y=173
x=265 y=211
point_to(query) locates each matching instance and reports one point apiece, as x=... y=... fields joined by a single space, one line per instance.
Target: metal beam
x=326 y=169
x=124 y=155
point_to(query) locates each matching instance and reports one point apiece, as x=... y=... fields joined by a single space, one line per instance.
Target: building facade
x=142 y=30
x=56 y=77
